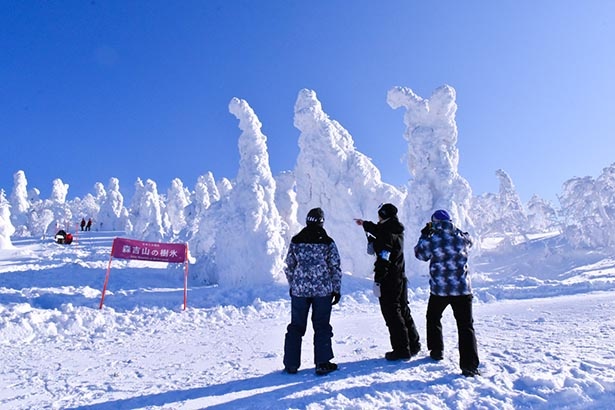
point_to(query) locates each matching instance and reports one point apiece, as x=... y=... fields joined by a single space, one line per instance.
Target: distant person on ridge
x=89 y=225
x=82 y=223
x=390 y=283
x=446 y=248
x=312 y=268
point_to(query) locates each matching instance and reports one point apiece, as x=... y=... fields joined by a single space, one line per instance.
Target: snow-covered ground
x=544 y=341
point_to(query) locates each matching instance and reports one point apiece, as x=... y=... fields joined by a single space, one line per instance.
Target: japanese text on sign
x=148 y=251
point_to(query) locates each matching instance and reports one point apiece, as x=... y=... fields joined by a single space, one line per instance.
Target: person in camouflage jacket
x=312 y=268
x=446 y=248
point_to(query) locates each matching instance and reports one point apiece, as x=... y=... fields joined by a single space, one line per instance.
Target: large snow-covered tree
x=333 y=175
x=255 y=215
x=249 y=244
x=433 y=161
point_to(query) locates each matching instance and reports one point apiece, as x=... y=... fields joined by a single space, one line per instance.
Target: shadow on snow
x=280 y=388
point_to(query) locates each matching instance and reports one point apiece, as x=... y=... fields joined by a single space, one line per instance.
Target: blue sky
x=91 y=90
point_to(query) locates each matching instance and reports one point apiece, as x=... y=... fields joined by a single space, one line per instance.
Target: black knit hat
x=315 y=217
x=387 y=210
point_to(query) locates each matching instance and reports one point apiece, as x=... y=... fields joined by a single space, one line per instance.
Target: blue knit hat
x=440 y=215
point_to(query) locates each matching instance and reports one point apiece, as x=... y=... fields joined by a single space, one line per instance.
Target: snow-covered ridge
x=255 y=213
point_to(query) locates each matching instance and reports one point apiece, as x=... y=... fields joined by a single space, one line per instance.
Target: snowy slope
x=545 y=336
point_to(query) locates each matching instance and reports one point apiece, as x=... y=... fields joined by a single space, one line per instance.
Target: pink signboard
x=148 y=251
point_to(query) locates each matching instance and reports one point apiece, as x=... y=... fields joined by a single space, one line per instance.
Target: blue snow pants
x=323 y=332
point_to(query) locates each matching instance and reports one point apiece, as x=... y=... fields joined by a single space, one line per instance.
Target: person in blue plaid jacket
x=446 y=248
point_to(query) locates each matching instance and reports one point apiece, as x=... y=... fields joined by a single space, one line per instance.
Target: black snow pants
x=397 y=316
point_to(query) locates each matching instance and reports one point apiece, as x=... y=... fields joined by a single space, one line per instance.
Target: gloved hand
x=376 y=289
x=336 y=298
x=426 y=230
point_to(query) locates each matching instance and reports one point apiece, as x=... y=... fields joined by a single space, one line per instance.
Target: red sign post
x=148 y=251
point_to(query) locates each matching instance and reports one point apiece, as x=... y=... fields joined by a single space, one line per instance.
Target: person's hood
x=443 y=225
x=393 y=225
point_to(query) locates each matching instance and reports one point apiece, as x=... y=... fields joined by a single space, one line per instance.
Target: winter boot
x=436 y=355
x=325 y=368
x=397 y=355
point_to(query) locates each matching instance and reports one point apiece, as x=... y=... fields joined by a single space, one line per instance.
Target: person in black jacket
x=312 y=268
x=390 y=283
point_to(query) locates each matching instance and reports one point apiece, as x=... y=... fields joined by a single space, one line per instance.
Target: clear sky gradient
x=96 y=89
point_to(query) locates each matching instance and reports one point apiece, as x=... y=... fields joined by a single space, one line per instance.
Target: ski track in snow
x=59 y=351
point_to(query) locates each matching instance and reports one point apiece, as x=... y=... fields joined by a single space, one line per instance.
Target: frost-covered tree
x=59 y=191
x=286 y=202
x=433 y=161
x=605 y=186
x=252 y=207
x=40 y=219
x=6 y=227
x=34 y=195
x=147 y=213
x=99 y=192
x=331 y=174
x=248 y=244
x=47 y=216
x=113 y=215
x=41 y=222
x=206 y=191
x=86 y=208
x=224 y=187
x=100 y=196
x=200 y=201
x=20 y=205
x=178 y=198
x=213 y=187
x=511 y=214
x=57 y=204
x=587 y=209
x=484 y=211
x=89 y=206
x=504 y=214
x=134 y=208
x=541 y=215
